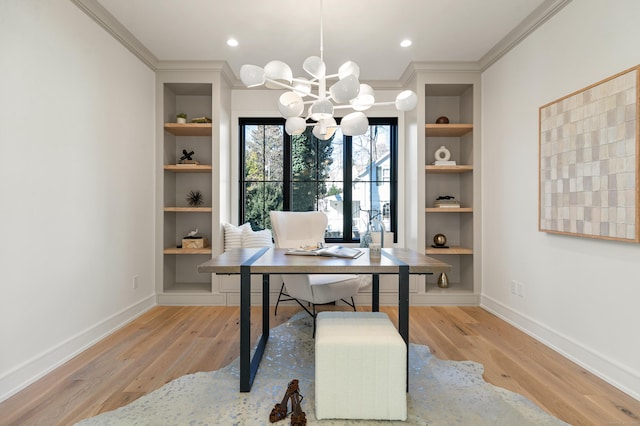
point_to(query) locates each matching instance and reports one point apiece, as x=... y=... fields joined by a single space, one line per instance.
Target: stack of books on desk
x=447 y=204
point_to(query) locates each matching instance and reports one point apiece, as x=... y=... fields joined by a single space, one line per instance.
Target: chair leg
x=352 y=304
x=279 y=297
x=314 y=321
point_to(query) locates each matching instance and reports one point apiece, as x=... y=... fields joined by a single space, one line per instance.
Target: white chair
x=296 y=229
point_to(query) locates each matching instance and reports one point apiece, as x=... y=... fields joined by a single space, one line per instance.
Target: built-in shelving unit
x=179 y=218
x=456 y=102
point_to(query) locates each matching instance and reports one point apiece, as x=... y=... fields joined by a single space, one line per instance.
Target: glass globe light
x=278 y=71
x=315 y=67
x=354 y=124
x=347 y=69
x=322 y=108
x=295 y=126
x=252 y=75
x=290 y=104
x=345 y=90
x=364 y=100
x=406 y=101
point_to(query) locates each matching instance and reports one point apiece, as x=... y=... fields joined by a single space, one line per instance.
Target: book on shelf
x=444 y=163
x=332 y=251
x=447 y=205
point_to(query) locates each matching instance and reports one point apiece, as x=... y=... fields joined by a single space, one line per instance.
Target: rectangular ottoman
x=360 y=367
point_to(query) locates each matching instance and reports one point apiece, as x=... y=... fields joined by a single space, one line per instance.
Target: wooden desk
x=266 y=261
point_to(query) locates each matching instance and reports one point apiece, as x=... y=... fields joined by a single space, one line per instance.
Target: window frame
x=348 y=182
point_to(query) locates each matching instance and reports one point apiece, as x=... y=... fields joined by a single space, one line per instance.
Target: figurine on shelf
x=443 y=157
x=187 y=158
x=195 y=199
x=440 y=241
x=442 y=120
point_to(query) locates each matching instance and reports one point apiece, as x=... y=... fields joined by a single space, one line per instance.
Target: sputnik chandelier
x=347 y=92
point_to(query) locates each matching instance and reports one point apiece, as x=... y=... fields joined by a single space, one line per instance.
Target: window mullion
x=347 y=189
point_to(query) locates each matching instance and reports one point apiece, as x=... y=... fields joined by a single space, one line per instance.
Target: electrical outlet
x=136 y=281
x=517 y=288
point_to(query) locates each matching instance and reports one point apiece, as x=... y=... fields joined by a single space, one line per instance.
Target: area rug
x=440 y=392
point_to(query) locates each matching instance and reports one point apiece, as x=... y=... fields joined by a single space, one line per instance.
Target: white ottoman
x=360 y=367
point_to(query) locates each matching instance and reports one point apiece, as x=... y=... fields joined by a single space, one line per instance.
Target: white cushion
x=360 y=370
x=251 y=239
x=233 y=235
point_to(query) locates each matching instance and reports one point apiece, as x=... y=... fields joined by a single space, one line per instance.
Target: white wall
x=581 y=295
x=76 y=186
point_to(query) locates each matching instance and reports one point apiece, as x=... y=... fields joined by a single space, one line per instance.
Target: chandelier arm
x=313 y=82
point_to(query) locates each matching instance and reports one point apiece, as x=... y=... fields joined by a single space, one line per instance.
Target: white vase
x=181 y=120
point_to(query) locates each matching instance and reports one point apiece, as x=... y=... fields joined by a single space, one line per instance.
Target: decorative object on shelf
x=443 y=157
x=347 y=92
x=442 y=120
x=440 y=241
x=181 y=118
x=192 y=241
x=443 y=280
x=186 y=158
x=447 y=202
x=195 y=199
x=201 y=120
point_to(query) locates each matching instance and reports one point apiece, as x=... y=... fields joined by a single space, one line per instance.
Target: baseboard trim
x=35 y=368
x=620 y=376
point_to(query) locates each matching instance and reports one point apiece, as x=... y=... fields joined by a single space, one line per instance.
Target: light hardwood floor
x=168 y=342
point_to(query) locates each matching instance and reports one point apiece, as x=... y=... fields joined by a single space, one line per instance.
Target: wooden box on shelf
x=194 y=243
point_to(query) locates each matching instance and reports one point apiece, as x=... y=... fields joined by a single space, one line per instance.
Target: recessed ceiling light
x=232 y=42
x=406 y=42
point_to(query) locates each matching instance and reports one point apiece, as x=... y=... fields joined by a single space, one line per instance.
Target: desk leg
x=403 y=309
x=265 y=305
x=249 y=366
x=245 y=329
x=375 y=293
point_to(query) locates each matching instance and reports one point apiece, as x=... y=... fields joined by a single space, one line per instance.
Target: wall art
x=588 y=161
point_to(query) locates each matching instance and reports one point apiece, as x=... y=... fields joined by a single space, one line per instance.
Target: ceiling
x=365 y=31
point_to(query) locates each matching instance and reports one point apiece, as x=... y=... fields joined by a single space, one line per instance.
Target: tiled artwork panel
x=588 y=161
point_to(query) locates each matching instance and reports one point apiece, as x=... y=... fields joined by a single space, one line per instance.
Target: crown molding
x=106 y=20
x=221 y=67
x=449 y=67
x=532 y=22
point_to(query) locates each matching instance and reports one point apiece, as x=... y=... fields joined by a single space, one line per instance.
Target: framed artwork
x=588 y=161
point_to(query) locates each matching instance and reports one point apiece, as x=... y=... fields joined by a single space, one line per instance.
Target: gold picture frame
x=588 y=161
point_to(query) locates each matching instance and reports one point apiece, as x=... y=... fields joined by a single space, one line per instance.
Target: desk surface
x=275 y=261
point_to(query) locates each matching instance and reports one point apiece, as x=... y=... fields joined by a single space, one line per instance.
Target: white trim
x=106 y=20
x=609 y=370
x=40 y=365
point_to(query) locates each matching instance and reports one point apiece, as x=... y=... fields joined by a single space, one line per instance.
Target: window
x=303 y=173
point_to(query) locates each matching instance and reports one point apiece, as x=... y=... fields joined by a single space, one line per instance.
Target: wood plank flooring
x=168 y=342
